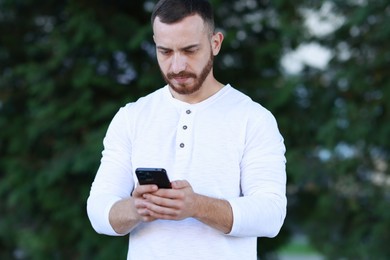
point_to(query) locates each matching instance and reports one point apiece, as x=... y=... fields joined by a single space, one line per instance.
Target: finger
x=144 y=213
x=165 y=202
x=156 y=215
x=142 y=189
x=148 y=218
x=159 y=212
x=162 y=208
x=180 y=184
x=165 y=193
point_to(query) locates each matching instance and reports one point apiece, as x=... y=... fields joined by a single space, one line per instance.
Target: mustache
x=181 y=74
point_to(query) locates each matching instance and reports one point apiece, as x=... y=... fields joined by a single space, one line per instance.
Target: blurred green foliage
x=344 y=193
x=67 y=66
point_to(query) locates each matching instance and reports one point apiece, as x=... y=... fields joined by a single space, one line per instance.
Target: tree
x=67 y=67
x=66 y=71
x=343 y=180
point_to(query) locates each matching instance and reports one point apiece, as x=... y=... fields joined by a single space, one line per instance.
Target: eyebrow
x=182 y=49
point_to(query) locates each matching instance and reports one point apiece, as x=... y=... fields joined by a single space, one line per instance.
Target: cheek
x=163 y=64
x=203 y=61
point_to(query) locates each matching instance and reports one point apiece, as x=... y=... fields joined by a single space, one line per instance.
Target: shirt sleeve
x=113 y=180
x=261 y=209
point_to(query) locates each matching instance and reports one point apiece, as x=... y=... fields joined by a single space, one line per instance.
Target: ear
x=216 y=42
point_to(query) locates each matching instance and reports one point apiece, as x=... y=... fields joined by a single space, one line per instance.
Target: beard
x=187 y=89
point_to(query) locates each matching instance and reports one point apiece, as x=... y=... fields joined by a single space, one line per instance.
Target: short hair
x=172 y=11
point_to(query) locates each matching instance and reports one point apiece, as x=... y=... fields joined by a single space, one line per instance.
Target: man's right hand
x=127 y=213
x=140 y=202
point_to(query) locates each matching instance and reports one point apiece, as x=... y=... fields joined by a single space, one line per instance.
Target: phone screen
x=156 y=176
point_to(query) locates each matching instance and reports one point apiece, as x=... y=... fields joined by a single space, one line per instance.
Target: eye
x=190 y=51
x=165 y=52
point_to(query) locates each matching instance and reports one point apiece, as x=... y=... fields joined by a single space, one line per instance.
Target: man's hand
x=127 y=213
x=141 y=203
x=171 y=204
x=182 y=202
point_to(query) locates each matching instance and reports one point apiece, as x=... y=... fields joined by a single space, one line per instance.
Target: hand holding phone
x=157 y=176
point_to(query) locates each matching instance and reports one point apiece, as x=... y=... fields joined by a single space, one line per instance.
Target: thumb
x=180 y=184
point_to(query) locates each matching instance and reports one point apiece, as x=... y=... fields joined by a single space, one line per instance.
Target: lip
x=181 y=80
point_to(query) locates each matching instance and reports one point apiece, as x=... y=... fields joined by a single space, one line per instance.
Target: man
x=222 y=151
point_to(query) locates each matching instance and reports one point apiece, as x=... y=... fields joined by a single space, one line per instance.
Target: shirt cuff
x=98 y=208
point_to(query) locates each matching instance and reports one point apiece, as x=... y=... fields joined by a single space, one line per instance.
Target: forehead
x=190 y=30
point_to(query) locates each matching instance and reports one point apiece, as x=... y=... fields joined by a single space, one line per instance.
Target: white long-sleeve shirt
x=226 y=146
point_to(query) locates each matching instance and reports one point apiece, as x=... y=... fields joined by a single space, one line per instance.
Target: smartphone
x=156 y=176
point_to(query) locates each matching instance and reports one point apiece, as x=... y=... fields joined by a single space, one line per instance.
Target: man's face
x=184 y=53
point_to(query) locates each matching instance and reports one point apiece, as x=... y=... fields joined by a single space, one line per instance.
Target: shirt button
x=188 y=112
x=181 y=145
x=185 y=127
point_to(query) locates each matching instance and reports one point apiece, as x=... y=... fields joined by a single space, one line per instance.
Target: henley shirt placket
x=184 y=141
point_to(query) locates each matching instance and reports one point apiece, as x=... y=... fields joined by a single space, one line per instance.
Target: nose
x=179 y=63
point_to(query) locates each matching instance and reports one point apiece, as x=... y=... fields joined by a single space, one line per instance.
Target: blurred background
x=321 y=67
